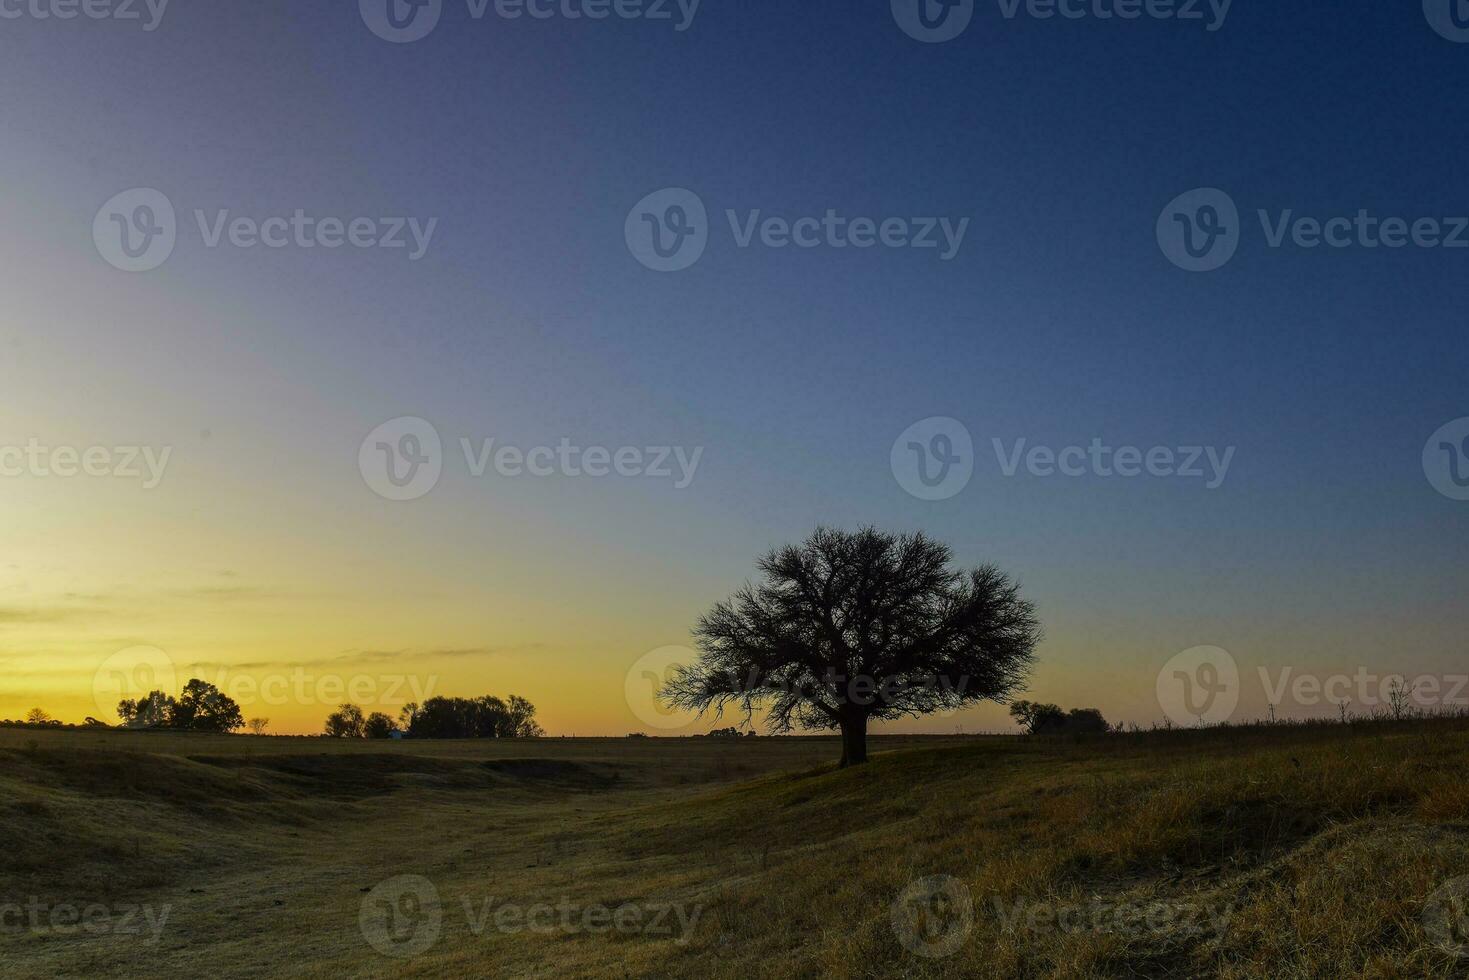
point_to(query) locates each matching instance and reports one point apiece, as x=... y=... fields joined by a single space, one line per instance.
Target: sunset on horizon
x=1016 y=452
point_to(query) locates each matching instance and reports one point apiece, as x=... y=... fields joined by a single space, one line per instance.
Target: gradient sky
x=528 y=321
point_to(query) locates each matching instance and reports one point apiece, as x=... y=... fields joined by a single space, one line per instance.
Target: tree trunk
x=854 y=741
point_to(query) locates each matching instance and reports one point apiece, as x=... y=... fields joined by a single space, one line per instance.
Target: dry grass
x=1249 y=853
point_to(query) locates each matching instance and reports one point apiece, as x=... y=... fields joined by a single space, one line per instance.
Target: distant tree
x=345 y=722
x=1048 y=719
x=522 y=719
x=1400 y=699
x=378 y=725
x=724 y=733
x=258 y=726
x=406 y=715
x=205 y=708
x=38 y=716
x=1038 y=718
x=156 y=710
x=853 y=626
x=1086 y=721
x=485 y=717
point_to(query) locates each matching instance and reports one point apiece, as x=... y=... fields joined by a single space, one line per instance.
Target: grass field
x=1268 y=852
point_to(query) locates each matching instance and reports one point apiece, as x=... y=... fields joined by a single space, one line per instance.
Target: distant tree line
x=1049 y=719
x=485 y=717
x=201 y=707
x=729 y=733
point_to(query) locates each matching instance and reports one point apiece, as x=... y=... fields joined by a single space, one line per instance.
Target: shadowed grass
x=1285 y=852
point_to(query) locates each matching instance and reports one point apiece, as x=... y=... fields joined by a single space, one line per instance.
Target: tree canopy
x=851 y=626
x=201 y=707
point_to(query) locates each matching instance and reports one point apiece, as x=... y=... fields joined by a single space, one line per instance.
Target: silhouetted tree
x=258 y=726
x=201 y=707
x=851 y=626
x=1048 y=719
x=155 y=710
x=485 y=717
x=521 y=719
x=345 y=722
x=378 y=725
x=37 y=716
x=205 y=708
x=1037 y=718
x=1086 y=721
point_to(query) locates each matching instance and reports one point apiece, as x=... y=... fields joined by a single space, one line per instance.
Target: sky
x=759 y=389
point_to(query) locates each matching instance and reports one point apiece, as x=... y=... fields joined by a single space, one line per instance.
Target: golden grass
x=1245 y=853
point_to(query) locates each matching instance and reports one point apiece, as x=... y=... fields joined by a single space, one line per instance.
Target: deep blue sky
x=1060 y=319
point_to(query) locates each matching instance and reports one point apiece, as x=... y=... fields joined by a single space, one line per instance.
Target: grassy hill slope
x=1279 y=852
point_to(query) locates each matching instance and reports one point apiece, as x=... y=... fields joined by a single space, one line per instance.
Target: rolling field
x=1280 y=852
